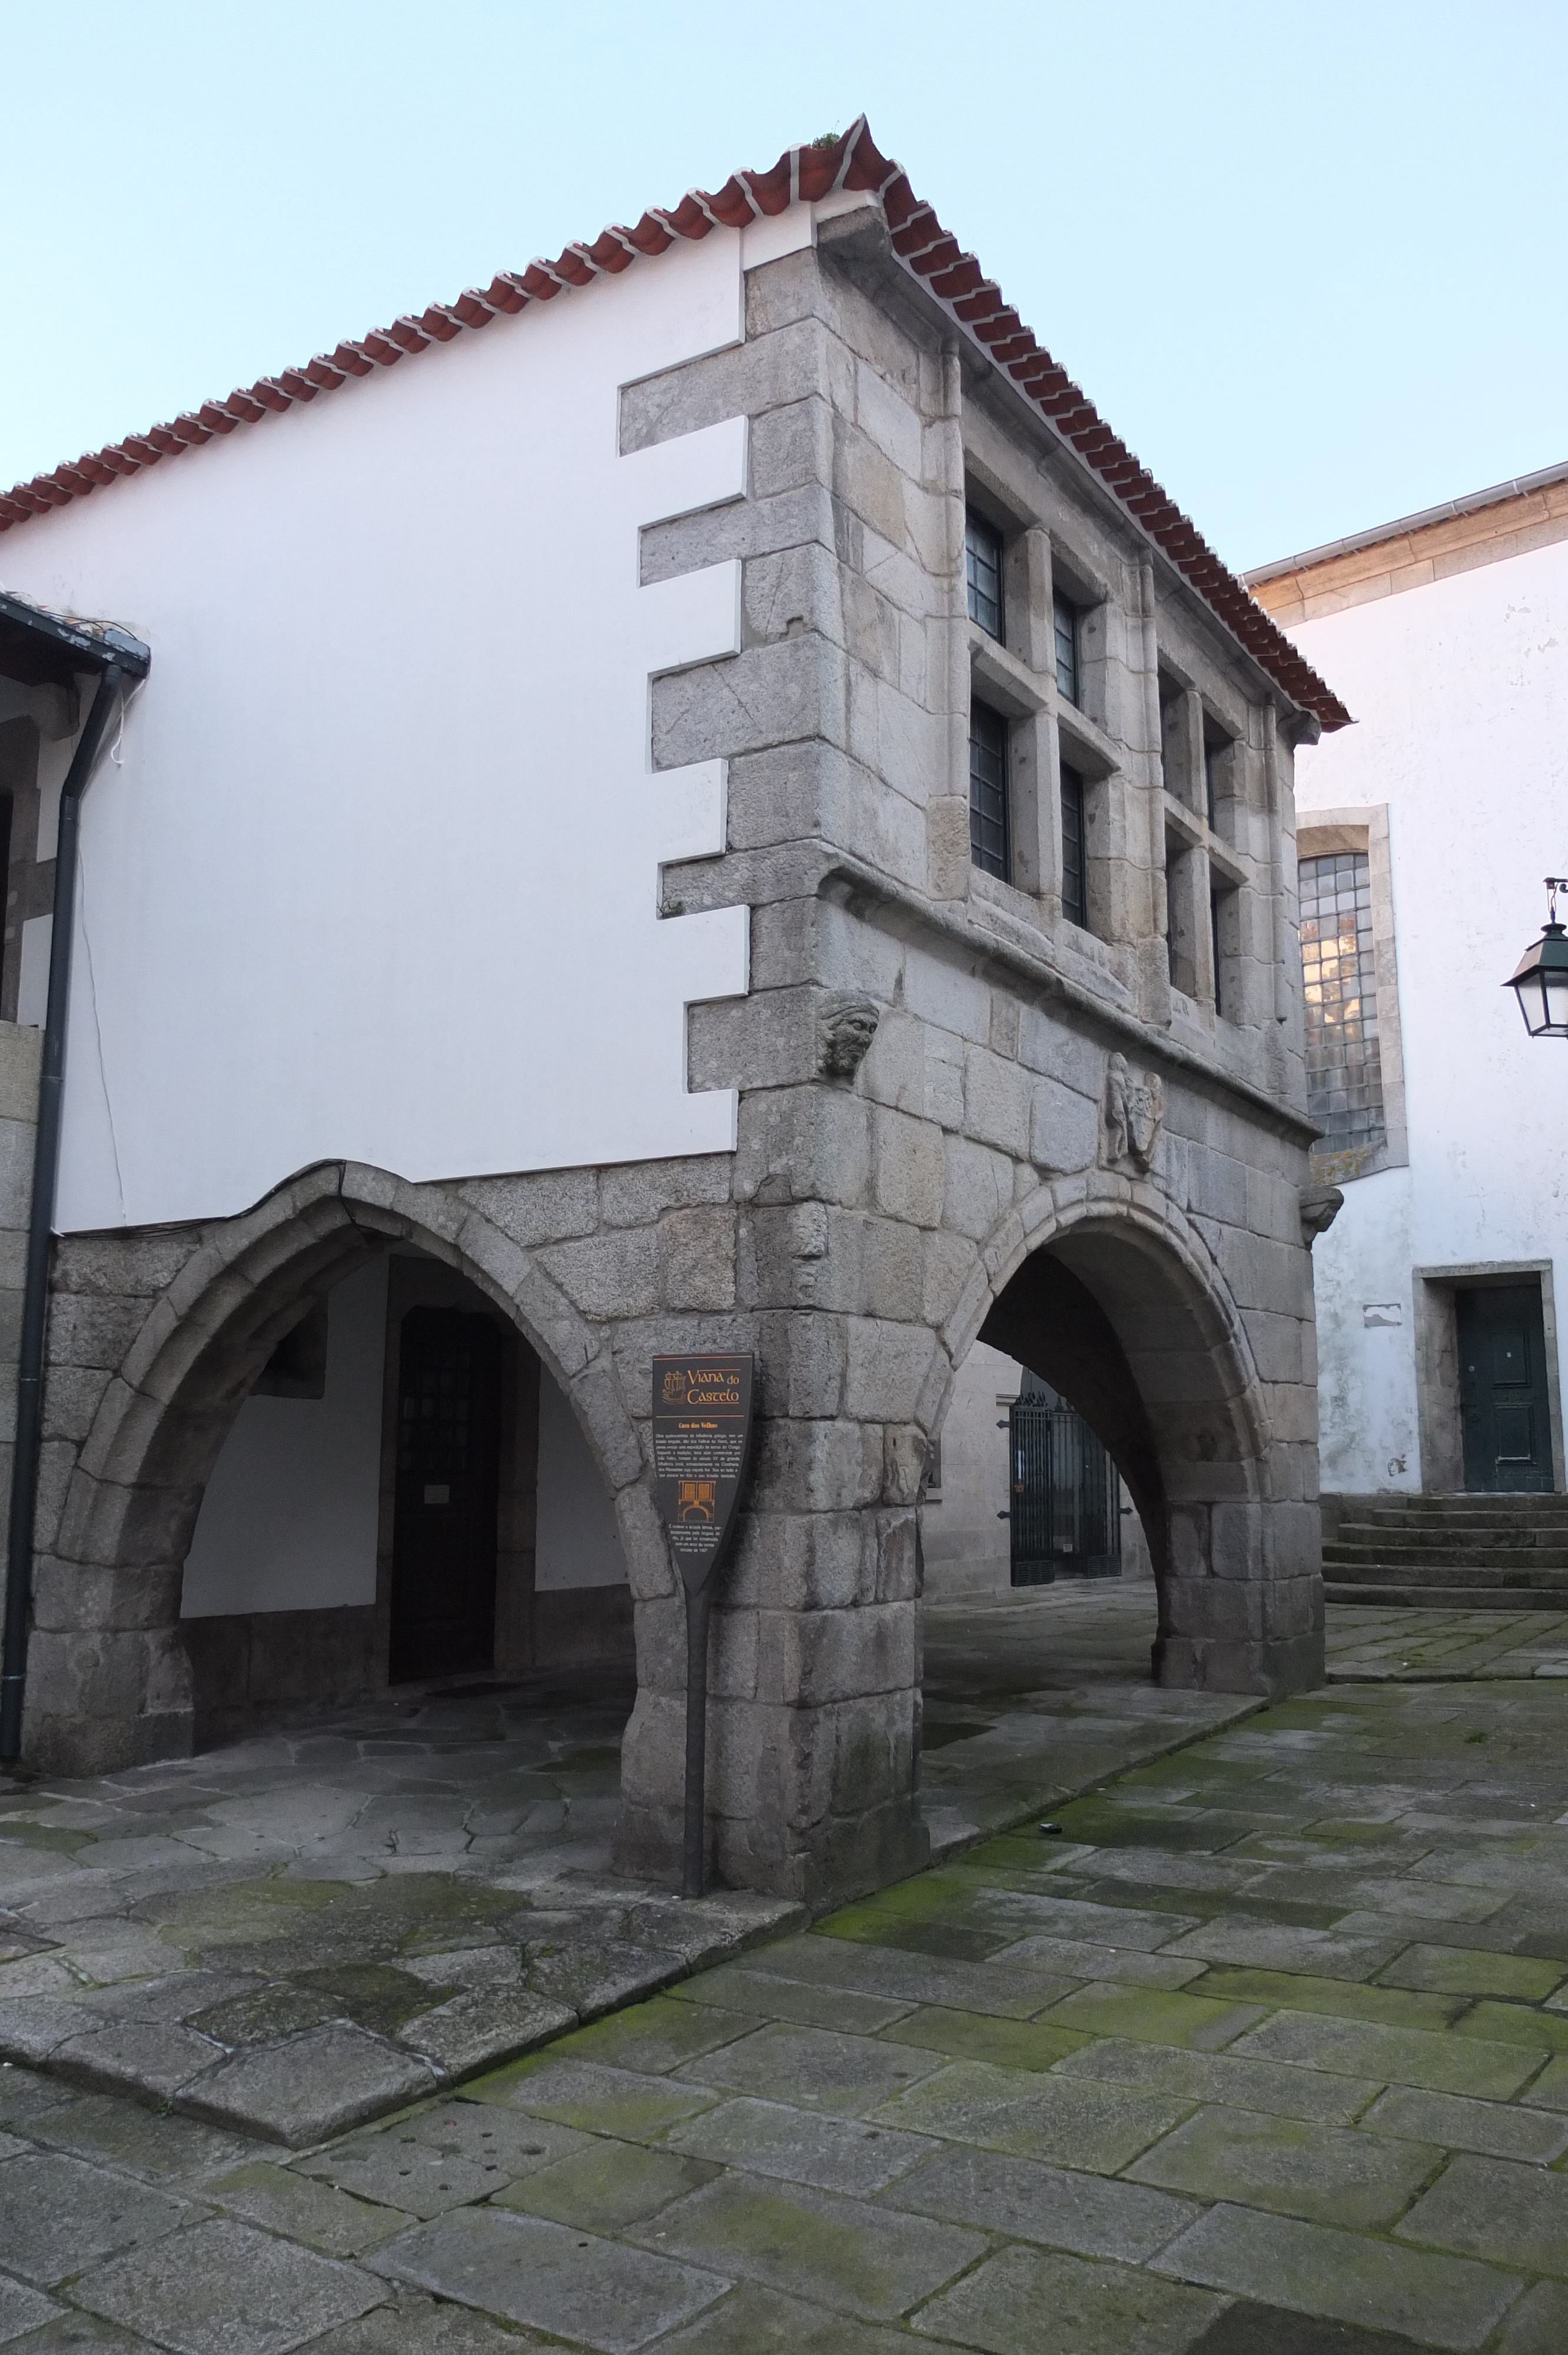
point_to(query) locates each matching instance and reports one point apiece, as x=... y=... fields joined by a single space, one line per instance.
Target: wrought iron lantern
x=1541 y=980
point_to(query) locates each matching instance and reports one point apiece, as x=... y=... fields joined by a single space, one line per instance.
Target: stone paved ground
x=1365 y=1641
x=306 y=1929
x=1266 y=2053
x=310 y=1927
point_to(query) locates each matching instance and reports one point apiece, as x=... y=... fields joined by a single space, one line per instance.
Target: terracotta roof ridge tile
x=851 y=163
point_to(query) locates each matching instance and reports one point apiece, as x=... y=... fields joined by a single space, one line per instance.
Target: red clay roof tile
x=925 y=247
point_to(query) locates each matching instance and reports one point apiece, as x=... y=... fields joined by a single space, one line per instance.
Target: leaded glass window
x=1344 y=1072
x=988 y=790
x=1075 y=870
x=1065 y=617
x=982 y=572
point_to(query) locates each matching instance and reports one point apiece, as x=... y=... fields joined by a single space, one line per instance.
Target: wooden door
x=1503 y=1403
x=444 y=1526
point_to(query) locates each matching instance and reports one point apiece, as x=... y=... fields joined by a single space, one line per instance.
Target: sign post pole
x=699 y=1613
x=702 y=1444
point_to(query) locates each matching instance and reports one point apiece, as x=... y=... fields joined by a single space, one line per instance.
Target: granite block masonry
x=1060 y=1109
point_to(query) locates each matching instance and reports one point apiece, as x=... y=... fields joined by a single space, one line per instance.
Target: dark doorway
x=1504 y=1413
x=444 y=1525
x=1065 y=1516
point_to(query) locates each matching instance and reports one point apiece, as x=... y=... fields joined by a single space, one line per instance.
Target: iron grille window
x=1065 y=1497
x=982 y=572
x=1065 y=616
x=988 y=790
x=1344 y=1072
x=1075 y=862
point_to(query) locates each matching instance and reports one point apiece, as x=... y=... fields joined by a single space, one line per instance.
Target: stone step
x=1446 y=1574
x=1450 y=1557
x=1431 y=1526
x=1404 y=1595
x=1434 y=1531
x=1446 y=1508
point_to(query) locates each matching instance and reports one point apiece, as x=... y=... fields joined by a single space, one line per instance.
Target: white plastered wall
x=288 y=1520
x=577 y=1541
x=1460 y=694
x=964 y=1545
x=375 y=872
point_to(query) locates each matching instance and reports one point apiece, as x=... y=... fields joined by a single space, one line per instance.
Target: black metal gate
x=1065 y=1512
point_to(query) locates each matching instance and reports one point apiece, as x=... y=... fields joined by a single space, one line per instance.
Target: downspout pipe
x=40 y=1227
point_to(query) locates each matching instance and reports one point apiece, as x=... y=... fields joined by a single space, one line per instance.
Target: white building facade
x=696 y=799
x=1423 y=833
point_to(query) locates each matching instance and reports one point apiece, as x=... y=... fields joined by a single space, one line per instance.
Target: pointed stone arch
x=1108 y=1292
x=157 y=1338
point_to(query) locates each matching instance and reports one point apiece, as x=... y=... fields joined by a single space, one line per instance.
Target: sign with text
x=702 y=1439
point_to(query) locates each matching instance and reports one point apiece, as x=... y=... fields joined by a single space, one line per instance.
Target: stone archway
x=160 y=1335
x=1112 y=1296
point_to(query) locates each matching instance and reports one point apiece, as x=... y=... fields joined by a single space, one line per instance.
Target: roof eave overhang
x=40 y=648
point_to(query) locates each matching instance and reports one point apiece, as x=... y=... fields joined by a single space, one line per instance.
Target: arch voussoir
x=119 y=1504
x=1166 y=1373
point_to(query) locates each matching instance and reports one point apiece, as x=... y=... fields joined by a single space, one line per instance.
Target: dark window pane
x=1066 y=620
x=988 y=790
x=983 y=571
x=1344 y=1072
x=1075 y=872
x=1211 y=754
x=1214 y=938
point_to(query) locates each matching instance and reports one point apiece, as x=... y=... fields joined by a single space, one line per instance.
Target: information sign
x=702 y=1437
x=702 y=1440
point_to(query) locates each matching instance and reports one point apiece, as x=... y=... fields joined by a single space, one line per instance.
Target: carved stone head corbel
x=845 y=1029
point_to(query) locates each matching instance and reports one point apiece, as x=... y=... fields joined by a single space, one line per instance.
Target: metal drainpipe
x=40 y=1230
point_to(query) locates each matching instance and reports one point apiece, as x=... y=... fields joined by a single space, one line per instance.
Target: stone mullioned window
x=1345 y=1070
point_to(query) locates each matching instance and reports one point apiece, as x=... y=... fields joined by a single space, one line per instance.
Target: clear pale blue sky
x=1310 y=262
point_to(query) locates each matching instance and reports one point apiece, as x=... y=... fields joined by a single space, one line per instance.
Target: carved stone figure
x=846 y=1030
x=1320 y=1206
x=1135 y=1107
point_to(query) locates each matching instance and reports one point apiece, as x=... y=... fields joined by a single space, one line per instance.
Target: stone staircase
x=1454 y=1553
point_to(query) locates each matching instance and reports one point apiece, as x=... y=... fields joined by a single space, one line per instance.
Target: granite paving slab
x=843 y=2075
x=1335 y=2175
x=1538 y=2324
x=225 y=2288
x=1094 y=2309
x=886 y=2129
x=1396 y=1643
x=528 y=2269
x=423 y=1885
x=753 y=2322
x=61 y=2215
x=835 y=2154
x=866 y=2260
x=1063 y=2208
x=604 y=2186
x=1495 y=2207
x=1346 y=2276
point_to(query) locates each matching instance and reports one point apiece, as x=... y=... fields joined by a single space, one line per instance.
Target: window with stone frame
x=990 y=831
x=1065 y=620
x=1216 y=747
x=1074 y=848
x=1344 y=1070
x=983 y=573
x=1225 y=918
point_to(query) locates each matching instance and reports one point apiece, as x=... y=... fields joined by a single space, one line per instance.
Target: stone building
x=1442 y=1118
x=720 y=807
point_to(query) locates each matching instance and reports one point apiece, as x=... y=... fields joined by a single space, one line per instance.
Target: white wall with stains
x=1459 y=690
